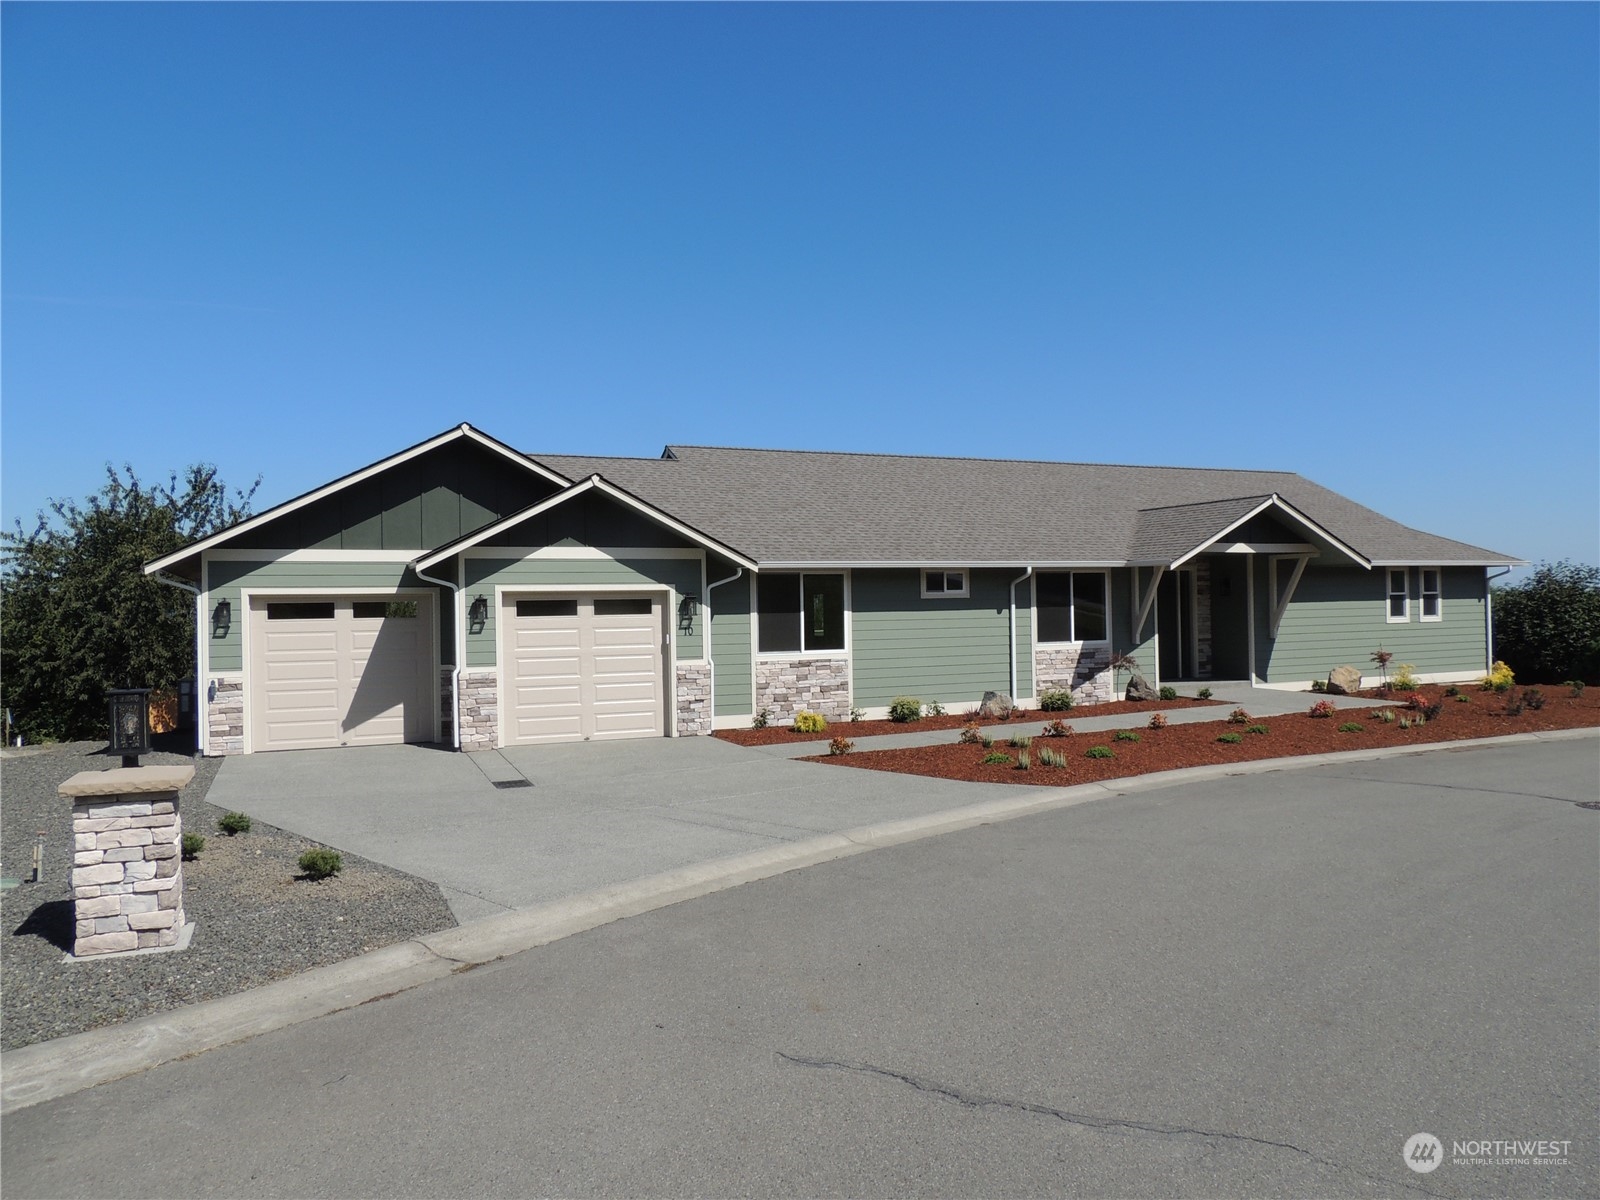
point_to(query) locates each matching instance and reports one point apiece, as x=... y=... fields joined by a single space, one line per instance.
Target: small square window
x=944 y=585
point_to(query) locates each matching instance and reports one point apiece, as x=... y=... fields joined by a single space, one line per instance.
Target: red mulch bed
x=776 y=734
x=1482 y=715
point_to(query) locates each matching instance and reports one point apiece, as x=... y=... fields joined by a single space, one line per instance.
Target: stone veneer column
x=225 y=717
x=693 y=697
x=784 y=686
x=480 y=709
x=1070 y=667
x=127 y=864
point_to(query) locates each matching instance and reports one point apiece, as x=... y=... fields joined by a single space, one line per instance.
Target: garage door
x=582 y=667
x=343 y=671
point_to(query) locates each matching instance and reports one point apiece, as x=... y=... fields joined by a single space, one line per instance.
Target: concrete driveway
x=566 y=818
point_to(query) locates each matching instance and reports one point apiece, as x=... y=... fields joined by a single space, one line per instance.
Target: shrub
x=1405 y=678
x=1023 y=761
x=1231 y=739
x=1386 y=715
x=233 y=823
x=806 y=721
x=1019 y=741
x=840 y=745
x=1168 y=692
x=1323 y=708
x=1319 y=685
x=1499 y=678
x=904 y=709
x=856 y=715
x=1126 y=735
x=1405 y=722
x=1098 y=752
x=1430 y=712
x=985 y=741
x=1452 y=690
x=761 y=719
x=1058 y=728
x=1203 y=694
x=1055 y=700
x=193 y=843
x=1051 y=758
x=996 y=759
x=935 y=709
x=319 y=862
x=1548 y=627
x=1533 y=698
x=1351 y=727
x=1463 y=699
x=1577 y=686
x=971 y=734
x=1158 y=721
x=1262 y=729
x=1238 y=717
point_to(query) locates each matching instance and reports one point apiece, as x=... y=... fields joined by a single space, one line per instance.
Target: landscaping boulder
x=1139 y=688
x=1343 y=681
x=995 y=704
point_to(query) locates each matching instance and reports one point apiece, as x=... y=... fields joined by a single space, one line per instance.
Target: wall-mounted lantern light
x=222 y=618
x=130 y=723
x=478 y=614
x=687 y=607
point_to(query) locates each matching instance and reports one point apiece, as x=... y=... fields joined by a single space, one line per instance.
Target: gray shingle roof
x=801 y=506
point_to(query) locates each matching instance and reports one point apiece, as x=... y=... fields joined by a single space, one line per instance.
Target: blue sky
x=1356 y=241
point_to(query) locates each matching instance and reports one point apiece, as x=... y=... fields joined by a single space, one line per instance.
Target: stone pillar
x=225 y=716
x=693 y=699
x=480 y=709
x=127 y=864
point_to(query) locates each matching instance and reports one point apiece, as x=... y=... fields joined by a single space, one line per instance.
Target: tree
x=78 y=615
x=1547 y=628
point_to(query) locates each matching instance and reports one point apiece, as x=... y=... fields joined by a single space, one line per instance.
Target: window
x=631 y=606
x=944 y=585
x=1432 y=609
x=300 y=611
x=366 y=610
x=1399 y=599
x=1071 y=606
x=547 y=608
x=800 y=613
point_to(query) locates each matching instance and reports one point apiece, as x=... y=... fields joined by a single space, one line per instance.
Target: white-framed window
x=799 y=614
x=945 y=585
x=1399 y=595
x=1072 y=606
x=1432 y=595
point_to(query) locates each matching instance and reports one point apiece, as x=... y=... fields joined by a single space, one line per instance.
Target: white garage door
x=345 y=671
x=578 y=668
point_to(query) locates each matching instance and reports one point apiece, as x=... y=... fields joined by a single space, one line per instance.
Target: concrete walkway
x=1258 y=702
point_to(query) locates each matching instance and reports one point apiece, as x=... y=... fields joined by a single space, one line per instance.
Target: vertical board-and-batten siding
x=949 y=650
x=730 y=641
x=1337 y=616
x=483 y=575
x=227 y=580
x=1126 y=586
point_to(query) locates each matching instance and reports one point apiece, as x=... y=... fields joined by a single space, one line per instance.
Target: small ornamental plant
x=1533 y=698
x=1319 y=685
x=1019 y=741
x=1499 y=679
x=1405 y=678
x=1259 y=729
x=1238 y=717
x=840 y=745
x=321 y=863
x=1322 y=708
x=1452 y=690
x=1158 y=720
x=971 y=734
x=1168 y=692
x=1203 y=694
x=1231 y=739
x=1577 y=686
x=905 y=709
x=1023 y=761
x=1382 y=657
x=986 y=741
x=935 y=709
x=1351 y=727
x=857 y=715
x=233 y=823
x=1055 y=700
x=1098 y=752
x=1126 y=735
x=996 y=759
x=1463 y=699
x=1058 y=728
x=1051 y=758
x=761 y=719
x=806 y=721
x=1386 y=715
x=192 y=844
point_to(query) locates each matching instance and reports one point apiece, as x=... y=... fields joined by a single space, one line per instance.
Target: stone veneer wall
x=693 y=696
x=480 y=709
x=225 y=716
x=784 y=686
x=1084 y=671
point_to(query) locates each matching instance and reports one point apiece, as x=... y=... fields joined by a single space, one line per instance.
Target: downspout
x=1012 y=592
x=458 y=654
x=711 y=665
x=199 y=633
x=1488 y=614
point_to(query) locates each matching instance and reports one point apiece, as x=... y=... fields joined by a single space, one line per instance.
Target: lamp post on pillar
x=130 y=723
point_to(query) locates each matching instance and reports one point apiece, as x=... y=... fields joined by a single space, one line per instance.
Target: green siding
x=1125 y=585
x=946 y=650
x=483 y=575
x=1337 y=617
x=415 y=505
x=730 y=641
x=228 y=579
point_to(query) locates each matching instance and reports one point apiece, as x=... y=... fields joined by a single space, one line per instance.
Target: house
x=464 y=592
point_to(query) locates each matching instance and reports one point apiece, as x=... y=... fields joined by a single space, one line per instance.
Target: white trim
x=317 y=556
x=1422 y=595
x=1264 y=548
x=844 y=651
x=1141 y=608
x=1250 y=615
x=1072 y=609
x=593 y=483
x=964 y=593
x=351 y=480
x=580 y=553
x=1389 y=594
x=246 y=594
x=929 y=564
x=1274 y=501
x=1451 y=562
x=1280 y=603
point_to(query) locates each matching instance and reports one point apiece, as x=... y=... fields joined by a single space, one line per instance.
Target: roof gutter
x=1012 y=592
x=711 y=663
x=1488 y=617
x=458 y=632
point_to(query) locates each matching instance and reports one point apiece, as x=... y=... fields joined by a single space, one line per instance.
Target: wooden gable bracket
x=1280 y=603
x=1142 y=604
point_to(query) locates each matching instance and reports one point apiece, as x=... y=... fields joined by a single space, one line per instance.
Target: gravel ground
x=254 y=920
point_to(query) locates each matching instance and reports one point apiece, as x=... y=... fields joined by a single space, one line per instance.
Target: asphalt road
x=1256 y=986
